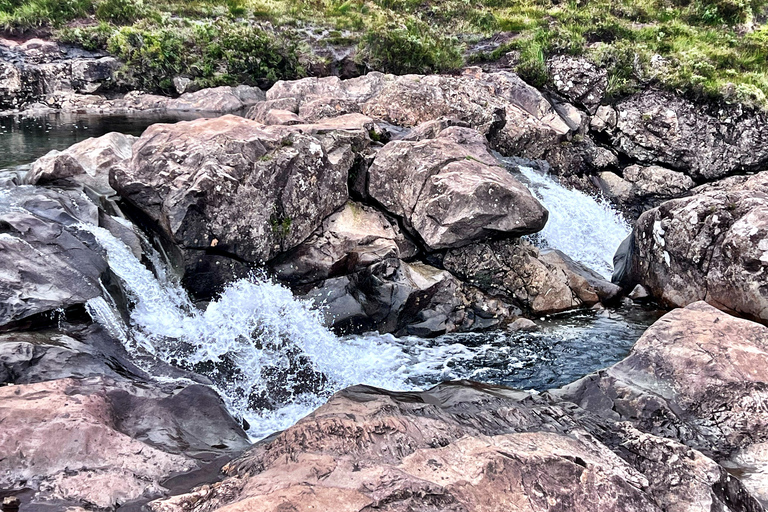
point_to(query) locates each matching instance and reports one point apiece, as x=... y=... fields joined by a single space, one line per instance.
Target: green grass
x=702 y=48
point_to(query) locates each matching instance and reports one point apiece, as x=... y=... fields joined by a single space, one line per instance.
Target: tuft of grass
x=703 y=48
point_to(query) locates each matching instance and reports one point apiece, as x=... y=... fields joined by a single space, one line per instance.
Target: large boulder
x=87 y=163
x=451 y=191
x=99 y=443
x=706 y=142
x=514 y=116
x=711 y=246
x=696 y=376
x=46 y=262
x=229 y=192
x=539 y=282
x=461 y=447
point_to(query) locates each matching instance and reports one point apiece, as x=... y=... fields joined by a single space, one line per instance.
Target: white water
x=587 y=229
x=256 y=329
x=272 y=360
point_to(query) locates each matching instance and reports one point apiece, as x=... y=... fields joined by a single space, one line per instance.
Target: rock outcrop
x=643 y=188
x=538 y=282
x=706 y=142
x=514 y=116
x=100 y=443
x=697 y=376
x=711 y=246
x=461 y=447
x=451 y=191
x=46 y=262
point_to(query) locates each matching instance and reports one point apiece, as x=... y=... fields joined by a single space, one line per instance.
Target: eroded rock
x=538 y=282
x=711 y=246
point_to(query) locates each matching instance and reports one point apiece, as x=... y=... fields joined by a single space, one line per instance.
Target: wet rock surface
x=538 y=282
x=698 y=377
x=47 y=263
x=709 y=246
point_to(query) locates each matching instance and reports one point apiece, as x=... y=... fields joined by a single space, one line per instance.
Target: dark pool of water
x=566 y=348
x=25 y=139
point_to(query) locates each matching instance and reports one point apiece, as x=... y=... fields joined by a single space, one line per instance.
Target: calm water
x=24 y=139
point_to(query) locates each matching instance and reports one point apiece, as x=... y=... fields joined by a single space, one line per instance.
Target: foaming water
x=266 y=352
x=272 y=361
x=587 y=229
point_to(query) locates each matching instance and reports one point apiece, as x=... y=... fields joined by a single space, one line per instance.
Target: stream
x=268 y=354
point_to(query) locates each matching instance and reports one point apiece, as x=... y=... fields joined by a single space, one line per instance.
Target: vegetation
x=712 y=48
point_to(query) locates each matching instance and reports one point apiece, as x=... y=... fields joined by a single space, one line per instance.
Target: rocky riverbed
x=152 y=292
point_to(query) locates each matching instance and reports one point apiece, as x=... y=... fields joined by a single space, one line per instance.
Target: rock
x=643 y=188
x=321 y=108
x=451 y=191
x=93 y=75
x=114 y=441
x=579 y=80
x=458 y=447
x=580 y=156
x=392 y=296
x=514 y=116
x=657 y=181
x=696 y=376
x=236 y=190
x=46 y=262
x=182 y=84
x=711 y=246
x=706 y=142
x=348 y=241
x=222 y=99
x=522 y=324
x=605 y=118
x=86 y=163
x=538 y=282
x=639 y=293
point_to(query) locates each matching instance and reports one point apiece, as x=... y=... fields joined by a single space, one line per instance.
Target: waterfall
x=266 y=352
x=585 y=228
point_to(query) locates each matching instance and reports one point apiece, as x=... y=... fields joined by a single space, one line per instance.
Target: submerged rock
x=712 y=246
x=451 y=191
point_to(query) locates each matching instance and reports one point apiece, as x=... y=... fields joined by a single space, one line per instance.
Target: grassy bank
x=711 y=48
